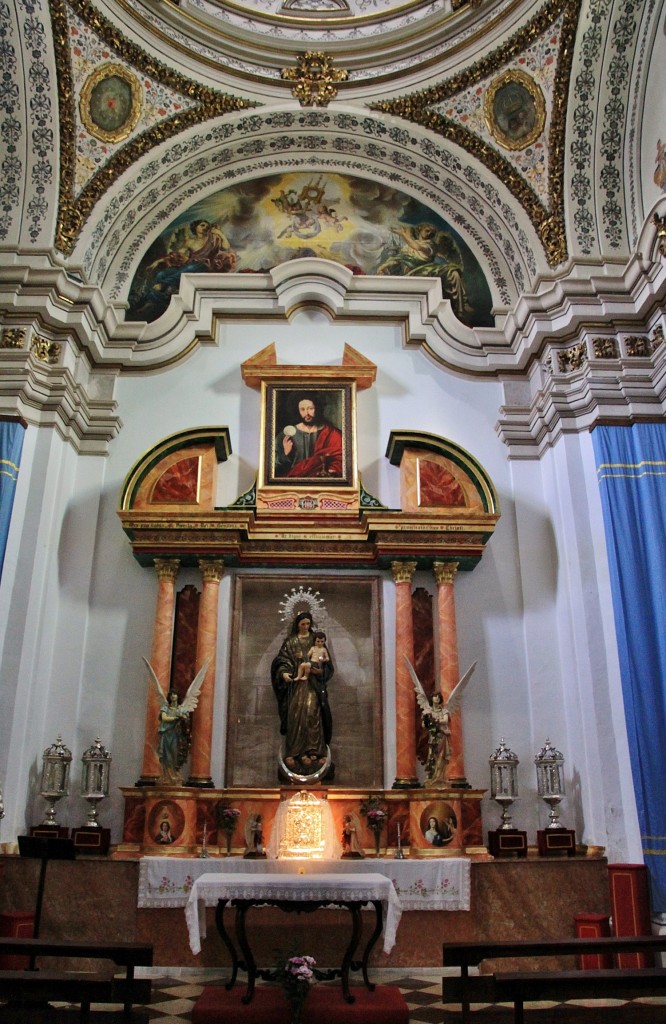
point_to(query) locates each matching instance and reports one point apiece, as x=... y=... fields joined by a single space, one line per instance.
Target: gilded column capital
x=403 y=572
x=445 y=572
x=212 y=569
x=167 y=568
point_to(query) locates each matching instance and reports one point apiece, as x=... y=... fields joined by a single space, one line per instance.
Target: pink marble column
x=160 y=659
x=405 y=703
x=448 y=666
x=212 y=571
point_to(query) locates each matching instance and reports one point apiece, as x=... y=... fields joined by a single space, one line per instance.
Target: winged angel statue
x=436 y=718
x=173 y=734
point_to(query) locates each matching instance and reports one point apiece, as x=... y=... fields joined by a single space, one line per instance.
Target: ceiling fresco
x=369 y=227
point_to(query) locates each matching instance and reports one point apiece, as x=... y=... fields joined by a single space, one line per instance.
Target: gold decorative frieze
x=315 y=79
x=44 y=350
x=637 y=345
x=605 y=348
x=572 y=358
x=200 y=104
x=13 y=337
x=516 y=117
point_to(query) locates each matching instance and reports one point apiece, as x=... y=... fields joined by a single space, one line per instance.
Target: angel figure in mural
x=424 y=250
x=173 y=732
x=436 y=719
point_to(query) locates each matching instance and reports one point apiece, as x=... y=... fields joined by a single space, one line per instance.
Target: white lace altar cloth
x=270 y=885
x=439 y=883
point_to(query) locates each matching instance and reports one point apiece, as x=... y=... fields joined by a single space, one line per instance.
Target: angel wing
x=161 y=692
x=191 y=698
x=421 y=698
x=453 y=703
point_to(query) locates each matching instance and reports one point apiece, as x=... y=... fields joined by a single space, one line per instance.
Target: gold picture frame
x=515 y=109
x=110 y=102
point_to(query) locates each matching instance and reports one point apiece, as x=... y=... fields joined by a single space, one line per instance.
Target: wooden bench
x=559 y=985
x=497 y=987
x=33 y=985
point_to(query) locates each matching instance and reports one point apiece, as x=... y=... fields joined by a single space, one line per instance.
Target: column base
x=406 y=784
x=200 y=782
x=147 y=780
x=459 y=783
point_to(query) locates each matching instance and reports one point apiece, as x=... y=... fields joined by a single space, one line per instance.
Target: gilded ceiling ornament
x=110 y=102
x=314 y=79
x=546 y=213
x=13 y=337
x=44 y=350
x=660 y=224
x=74 y=209
x=514 y=109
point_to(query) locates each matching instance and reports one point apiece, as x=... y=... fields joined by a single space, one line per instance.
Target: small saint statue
x=436 y=718
x=173 y=732
x=254 y=838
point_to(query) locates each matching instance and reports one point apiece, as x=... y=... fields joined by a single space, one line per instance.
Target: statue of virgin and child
x=300 y=673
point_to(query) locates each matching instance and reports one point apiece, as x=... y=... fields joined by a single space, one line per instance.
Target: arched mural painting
x=365 y=225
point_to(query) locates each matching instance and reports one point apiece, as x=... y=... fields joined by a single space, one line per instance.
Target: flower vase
x=229 y=838
x=378 y=838
x=297 y=1012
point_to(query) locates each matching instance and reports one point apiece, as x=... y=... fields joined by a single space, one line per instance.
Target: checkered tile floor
x=176 y=990
x=174 y=996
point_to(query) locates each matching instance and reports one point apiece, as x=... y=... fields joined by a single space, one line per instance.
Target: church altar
x=432 y=884
x=333 y=887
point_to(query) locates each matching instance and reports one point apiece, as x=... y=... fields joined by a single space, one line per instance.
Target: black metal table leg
x=357 y=928
x=379 y=924
x=241 y=935
x=235 y=962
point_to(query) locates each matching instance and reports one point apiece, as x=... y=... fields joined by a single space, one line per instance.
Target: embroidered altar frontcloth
x=438 y=883
x=269 y=885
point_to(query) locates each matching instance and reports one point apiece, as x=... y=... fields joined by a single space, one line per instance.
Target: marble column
x=160 y=659
x=448 y=666
x=212 y=571
x=405 y=701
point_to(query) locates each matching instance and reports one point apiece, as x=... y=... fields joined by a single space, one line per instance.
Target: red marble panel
x=438 y=487
x=135 y=817
x=186 y=625
x=424 y=657
x=179 y=483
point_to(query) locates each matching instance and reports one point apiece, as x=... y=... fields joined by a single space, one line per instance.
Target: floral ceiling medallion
x=515 y=109
x=110 y=102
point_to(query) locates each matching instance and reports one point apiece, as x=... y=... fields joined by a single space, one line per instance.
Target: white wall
x=535 y=612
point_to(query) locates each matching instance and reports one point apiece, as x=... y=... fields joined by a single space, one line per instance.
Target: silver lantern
x=550 y=780
x=95 y=778
x=504 y=780
x=56 y=760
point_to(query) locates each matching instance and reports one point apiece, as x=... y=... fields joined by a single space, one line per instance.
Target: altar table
x=427 y=884
x=293 y=892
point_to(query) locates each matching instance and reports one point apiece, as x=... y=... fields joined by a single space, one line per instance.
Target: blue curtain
x=631 y=468
x=11 y=445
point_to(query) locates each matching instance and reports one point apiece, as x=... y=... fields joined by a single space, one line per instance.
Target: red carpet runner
x=324 y=1005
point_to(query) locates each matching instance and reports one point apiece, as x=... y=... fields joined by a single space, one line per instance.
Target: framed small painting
x=308 y=435
x=110 y=103
x=515 y=109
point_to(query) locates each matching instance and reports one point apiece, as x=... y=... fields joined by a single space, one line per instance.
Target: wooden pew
x=82 y=987
x=467 y=988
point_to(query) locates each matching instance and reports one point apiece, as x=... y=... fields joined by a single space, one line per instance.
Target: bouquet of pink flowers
x=375 y=814
x=296 y=975
x=227 y=818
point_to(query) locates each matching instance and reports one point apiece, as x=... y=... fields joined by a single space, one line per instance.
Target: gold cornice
x=74 y=210
x=415 y=107
x=332 y=20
